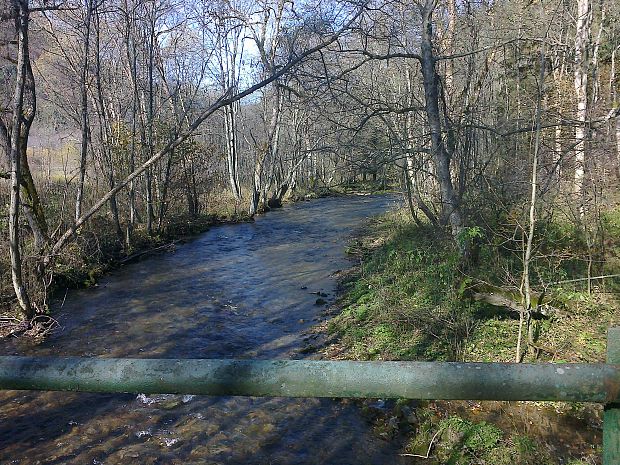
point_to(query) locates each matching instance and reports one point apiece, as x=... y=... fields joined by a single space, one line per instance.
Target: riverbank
x=407 y=300
x=98 y=249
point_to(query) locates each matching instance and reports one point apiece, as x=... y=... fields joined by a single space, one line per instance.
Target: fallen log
x=499 y=300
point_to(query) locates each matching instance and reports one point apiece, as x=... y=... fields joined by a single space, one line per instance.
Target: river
x=237 y=291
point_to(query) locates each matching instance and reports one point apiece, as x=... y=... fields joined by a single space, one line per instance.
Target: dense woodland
x=121 y=120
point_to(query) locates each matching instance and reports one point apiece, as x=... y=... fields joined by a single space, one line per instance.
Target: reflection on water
x=242 y=291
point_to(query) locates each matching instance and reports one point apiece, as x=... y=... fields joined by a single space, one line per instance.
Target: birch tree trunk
x=230 y=56
x=230 y=126
x=582 y=42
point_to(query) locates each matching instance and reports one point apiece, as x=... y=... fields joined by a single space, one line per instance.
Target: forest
x=126 y=125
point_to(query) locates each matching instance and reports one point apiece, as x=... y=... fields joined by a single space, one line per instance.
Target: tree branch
x=222 y=101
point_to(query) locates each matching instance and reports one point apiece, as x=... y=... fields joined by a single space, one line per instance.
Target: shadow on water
x=243 y=291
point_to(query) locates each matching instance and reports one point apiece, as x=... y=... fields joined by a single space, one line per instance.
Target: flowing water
x=237 y=291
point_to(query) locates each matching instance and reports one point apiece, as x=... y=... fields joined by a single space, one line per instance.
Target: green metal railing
x=306 y=378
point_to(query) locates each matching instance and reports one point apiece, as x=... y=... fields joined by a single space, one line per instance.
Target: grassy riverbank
x=407 y=300
x=98 y=249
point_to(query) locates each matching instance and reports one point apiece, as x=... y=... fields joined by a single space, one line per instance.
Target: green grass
x=408 y=300
x=403 y=304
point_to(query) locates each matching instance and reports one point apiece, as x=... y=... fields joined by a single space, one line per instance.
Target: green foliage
x=410 y=301
x=494 y=339
x=403 y=304
x=466 y=442
x=471 y=438
x=361 y=312
x=460 y=441
x=469 y=235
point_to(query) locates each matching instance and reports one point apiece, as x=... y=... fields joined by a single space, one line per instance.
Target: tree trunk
x=449 y=201
x=287 y=184
x=31 y=202
x=596 y=85
x=230 y=123
x=85 y=130
x=618 y=141
x=412 y=209
x=163 y=203
x=614 y=99
x=582 y=41
x=526 y=291
x=412 y=186
x=256 y=183
x=150 y=120
x=131 y=55
x=15 y=159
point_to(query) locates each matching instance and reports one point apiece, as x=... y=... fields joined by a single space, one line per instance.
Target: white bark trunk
x=582 y=42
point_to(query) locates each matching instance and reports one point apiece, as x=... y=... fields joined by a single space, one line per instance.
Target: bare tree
x=85 y=128
x=21 y=11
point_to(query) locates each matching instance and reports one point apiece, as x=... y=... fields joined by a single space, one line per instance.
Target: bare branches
x=227 y=98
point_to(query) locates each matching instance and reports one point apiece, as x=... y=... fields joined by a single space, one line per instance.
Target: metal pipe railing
x=309 y=378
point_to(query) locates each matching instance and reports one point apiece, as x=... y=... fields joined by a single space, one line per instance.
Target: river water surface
x=237 y=291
